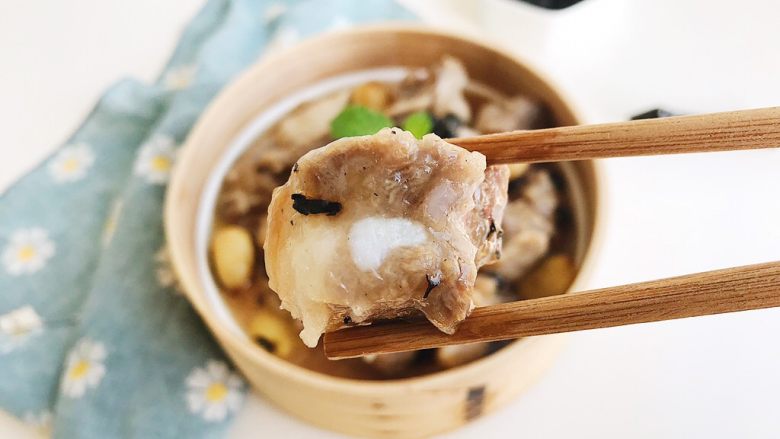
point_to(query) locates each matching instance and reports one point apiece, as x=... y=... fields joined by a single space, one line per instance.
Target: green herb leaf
x=358 y=121
x=419 y=124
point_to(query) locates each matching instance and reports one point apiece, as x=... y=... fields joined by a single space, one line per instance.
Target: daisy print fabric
x=17 y=326
x=155 y=160
x=179 y=78
x=95 y=339
x=72 y=163
x=213 y=391
x=39 y=421
x=109 y=227
x=27 y=251
x=164 y=271
x=84 y=368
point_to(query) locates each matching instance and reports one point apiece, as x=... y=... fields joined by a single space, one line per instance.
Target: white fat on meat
x=371 y=239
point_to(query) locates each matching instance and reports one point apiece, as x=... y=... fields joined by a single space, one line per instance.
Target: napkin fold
x=96 y=339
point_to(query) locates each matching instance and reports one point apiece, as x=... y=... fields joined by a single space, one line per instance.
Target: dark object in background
x=653 y=114
x=447 y=126
x=552 y=4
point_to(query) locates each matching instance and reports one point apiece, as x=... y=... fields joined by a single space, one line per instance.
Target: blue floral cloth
x=96 y=340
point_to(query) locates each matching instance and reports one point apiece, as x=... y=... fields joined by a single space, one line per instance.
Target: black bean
x=313 y=206
x=267 y=344
x=517 y=185
x=447 y=126
x=563 y=218
x=559 y=181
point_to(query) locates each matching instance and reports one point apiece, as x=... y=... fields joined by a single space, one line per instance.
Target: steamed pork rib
x=383 y=226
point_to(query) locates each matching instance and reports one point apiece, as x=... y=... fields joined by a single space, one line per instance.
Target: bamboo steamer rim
x=223 y=104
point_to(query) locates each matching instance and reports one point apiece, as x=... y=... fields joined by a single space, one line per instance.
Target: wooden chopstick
x=713 y=292
x=734 y=130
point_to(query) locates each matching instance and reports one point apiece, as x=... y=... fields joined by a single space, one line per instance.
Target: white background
x=708 y=377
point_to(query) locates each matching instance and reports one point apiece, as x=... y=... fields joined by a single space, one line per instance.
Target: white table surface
x=709 y=377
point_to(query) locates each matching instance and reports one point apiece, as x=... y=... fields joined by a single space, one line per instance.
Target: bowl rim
x=222 y=103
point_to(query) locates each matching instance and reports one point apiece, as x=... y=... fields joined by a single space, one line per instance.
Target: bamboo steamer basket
x=406 y=408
